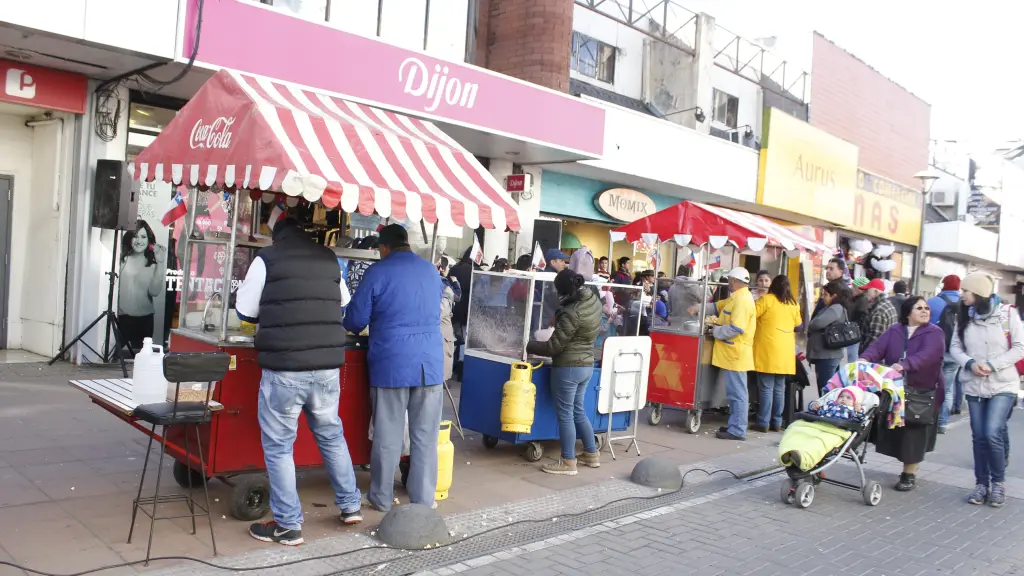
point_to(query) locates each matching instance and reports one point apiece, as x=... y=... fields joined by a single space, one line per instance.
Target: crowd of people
x=964 y=343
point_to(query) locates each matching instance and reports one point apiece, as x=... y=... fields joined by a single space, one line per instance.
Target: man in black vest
x=293 y=290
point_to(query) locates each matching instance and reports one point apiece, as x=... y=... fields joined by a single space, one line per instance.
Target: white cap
x=740 y=274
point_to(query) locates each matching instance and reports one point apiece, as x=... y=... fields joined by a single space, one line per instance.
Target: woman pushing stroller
x=915 y=348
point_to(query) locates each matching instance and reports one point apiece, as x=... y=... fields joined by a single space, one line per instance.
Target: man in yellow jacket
x=734 y=351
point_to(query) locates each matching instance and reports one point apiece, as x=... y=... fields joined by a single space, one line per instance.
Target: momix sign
x=624 y=204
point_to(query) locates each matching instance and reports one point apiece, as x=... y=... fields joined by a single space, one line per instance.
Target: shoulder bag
x=920 y=406
x=841 y=334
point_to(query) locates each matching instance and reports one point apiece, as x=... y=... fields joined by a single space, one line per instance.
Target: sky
x=958 y=56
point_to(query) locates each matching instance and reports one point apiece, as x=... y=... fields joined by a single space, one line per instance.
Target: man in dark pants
x=293 y=291
x=400 y=300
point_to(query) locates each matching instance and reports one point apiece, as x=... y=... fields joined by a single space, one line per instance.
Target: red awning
x=252 y=132
x=696 y=223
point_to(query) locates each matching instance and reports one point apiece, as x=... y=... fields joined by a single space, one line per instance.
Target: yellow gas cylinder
x=518 y=399
x=445 y=461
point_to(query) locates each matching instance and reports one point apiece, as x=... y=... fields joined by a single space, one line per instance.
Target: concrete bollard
x=657 y=472
x=413 y=526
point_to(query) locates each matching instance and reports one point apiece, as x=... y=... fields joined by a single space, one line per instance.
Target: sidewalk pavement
x=69 y=471
x=746 y=529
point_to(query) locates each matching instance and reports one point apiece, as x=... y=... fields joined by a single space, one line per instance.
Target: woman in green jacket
x=571 y=349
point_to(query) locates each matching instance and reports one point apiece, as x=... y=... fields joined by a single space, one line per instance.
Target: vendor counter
x=232 y=440
x=682 y=375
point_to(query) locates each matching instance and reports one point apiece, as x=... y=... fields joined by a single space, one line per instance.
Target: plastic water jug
x=148 y=383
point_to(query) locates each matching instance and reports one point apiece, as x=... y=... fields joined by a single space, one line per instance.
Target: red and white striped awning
x=268 y=136
x=695 y=223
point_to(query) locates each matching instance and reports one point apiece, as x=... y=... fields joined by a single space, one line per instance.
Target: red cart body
x=231 y=442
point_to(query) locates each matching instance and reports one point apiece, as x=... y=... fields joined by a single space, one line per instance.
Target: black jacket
x=300 y=307
x=463 y=272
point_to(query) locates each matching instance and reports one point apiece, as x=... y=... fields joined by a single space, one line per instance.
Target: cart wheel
x=599 y=441
x=804 y=494
x=788 y=492
x=403 y=467
x=654 y=416
x=692 y=422
x=250 y=497
x=533 y=452
x=872 y=493
x=490 y=442
x=183 y=474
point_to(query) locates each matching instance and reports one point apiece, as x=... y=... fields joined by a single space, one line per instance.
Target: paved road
x=749 y=531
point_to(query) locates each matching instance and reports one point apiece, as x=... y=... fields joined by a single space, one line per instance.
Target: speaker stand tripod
x=110 y=317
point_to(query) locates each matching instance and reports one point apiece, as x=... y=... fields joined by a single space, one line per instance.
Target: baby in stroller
x=834 y=427
x=845 y=407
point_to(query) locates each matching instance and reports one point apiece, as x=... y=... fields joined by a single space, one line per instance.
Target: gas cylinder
x=445 y=460
x=518 y=399
x=148 y=383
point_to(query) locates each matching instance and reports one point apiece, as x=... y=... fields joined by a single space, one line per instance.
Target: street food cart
x=682 y=375
x=505 y=312
x=258 y=146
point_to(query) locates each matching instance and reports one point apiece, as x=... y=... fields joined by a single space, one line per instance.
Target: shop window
x=727 y=109
x=593 y=58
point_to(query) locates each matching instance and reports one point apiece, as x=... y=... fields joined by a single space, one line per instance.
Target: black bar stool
x=208 y=367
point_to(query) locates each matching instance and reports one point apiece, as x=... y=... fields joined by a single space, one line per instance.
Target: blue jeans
x=824 y=369
x=772 y=396
x=423 y=404
x=569 y=388
x=738 y=398
x=989 y=417
x=852 y=353
x=283 y=397
x=954 y=398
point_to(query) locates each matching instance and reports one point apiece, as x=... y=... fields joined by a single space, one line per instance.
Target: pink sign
x=289 y=48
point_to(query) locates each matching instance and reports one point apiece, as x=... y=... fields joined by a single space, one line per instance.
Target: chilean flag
x=276 y=214
x=538 y=257
x=716 y=261
x=175 y=210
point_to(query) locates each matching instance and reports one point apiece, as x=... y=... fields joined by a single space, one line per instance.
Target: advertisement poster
x=141 y=291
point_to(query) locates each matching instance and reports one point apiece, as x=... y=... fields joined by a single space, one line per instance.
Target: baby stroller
x=799 y=488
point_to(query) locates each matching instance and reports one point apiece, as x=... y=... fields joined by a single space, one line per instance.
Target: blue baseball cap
x=554 y=254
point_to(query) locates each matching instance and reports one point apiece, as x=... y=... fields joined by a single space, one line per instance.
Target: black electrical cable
x=106 y=119
x=191 y=58
x=384 y=547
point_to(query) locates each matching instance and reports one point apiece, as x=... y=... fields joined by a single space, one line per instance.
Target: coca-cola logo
x=217 y=134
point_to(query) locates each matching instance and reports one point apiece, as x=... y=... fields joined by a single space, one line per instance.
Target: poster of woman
x=143 y=265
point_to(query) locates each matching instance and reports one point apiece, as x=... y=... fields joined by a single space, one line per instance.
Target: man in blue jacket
x=399 y=299
x=950 y=296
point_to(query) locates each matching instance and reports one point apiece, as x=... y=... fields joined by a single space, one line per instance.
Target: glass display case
x=507 y=310
x=683 y=306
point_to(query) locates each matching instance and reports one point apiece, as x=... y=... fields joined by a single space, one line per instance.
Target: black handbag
x=919 y=409
x=841 y=335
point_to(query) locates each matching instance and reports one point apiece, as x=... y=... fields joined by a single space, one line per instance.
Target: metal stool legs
x=142 y=503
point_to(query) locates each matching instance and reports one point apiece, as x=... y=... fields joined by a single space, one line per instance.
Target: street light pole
x=927 y=178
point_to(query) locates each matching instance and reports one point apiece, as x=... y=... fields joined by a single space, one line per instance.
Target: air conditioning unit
x=943 y=198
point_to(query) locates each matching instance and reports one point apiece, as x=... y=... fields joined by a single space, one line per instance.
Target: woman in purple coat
x=924 y=344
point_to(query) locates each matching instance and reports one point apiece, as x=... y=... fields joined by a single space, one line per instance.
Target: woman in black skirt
x=914 y=347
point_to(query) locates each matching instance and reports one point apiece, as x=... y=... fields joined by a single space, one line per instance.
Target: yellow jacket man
x=734 y=350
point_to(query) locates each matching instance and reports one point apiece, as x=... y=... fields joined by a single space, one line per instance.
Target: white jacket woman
x=987 y=344
x=984 y=342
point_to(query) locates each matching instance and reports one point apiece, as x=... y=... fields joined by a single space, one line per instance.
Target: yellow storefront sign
x=807 y=171
x=886 y=209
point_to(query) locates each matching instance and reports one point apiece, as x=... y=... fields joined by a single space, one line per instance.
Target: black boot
x=907 y=483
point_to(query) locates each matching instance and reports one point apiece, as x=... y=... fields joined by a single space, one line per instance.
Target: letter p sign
x=20 y=84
